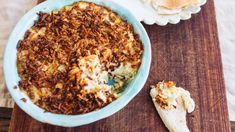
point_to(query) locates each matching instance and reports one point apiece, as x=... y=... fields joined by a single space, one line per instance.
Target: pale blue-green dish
x=12 y=78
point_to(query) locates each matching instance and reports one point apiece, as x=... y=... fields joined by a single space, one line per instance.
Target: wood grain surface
x=187 y=53
x=5 y=117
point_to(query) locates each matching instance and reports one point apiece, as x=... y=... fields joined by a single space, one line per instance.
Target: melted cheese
x=95 y=77
x=174 y=118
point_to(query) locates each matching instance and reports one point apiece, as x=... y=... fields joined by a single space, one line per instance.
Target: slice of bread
x=175 y=118
x=175 y=4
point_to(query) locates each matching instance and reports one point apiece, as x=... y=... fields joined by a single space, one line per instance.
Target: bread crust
x=176 y=4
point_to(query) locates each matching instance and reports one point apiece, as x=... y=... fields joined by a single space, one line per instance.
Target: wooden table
x=187 y=53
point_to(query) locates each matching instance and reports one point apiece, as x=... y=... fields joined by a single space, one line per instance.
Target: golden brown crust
x=161 y=98
x=50 y=50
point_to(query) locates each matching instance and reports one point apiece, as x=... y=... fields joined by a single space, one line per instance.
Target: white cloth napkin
x=225 y=12
x=12 y=10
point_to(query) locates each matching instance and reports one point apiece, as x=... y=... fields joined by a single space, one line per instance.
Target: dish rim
x=185 y=14
x=12 y=77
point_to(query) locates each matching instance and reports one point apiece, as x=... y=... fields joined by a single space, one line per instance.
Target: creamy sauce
x=95 y=77
x=177 y=102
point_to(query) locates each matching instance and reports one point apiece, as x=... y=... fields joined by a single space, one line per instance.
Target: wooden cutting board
x=187 y=53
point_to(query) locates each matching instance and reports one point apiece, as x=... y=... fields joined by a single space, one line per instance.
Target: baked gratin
x=77 y=59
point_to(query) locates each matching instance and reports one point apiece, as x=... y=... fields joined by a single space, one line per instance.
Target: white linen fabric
x=225 y=12
x=11 y=11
